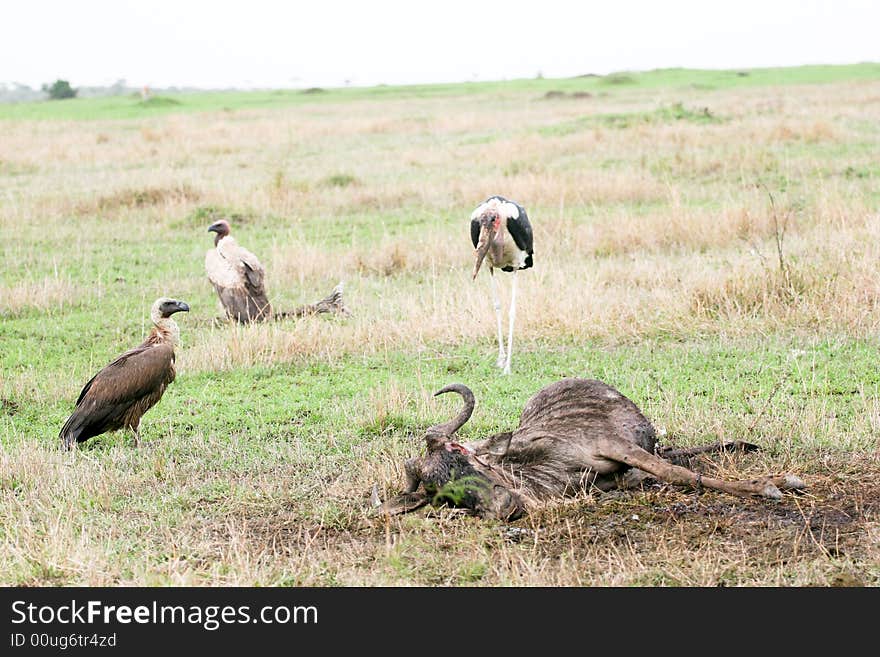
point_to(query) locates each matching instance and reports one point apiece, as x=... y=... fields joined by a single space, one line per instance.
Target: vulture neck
x=165 y=331
x=225 y=245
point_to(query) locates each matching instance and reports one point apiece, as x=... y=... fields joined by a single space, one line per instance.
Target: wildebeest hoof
x=792 y=482
x=403 y=503
x=770 y=491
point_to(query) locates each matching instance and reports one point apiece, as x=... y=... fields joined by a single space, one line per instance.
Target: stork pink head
x=490 y=224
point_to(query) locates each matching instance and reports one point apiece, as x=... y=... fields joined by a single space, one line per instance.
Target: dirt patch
x=829 y=523
x=657 y=535
x=9 y=406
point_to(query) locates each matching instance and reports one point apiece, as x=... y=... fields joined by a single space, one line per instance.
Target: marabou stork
x=502 y=235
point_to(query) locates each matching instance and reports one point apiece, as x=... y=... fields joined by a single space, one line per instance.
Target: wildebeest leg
x=413 y=468
x=627 y=480
x=634 y=456
x=409 y=500
x=681 y=455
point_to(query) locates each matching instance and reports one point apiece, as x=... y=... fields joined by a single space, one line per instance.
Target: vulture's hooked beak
x=215 y=227
x=487 y=233
x=178 y=307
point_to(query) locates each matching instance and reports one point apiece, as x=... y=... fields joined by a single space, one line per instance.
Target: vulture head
x=221 y=228
x=490 y=237
x=161 y=312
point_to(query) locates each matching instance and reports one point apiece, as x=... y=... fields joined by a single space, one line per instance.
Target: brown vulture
x=238 y=277
x=118 y=395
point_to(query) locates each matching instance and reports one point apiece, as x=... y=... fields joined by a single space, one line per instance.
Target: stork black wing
x=520 y=229
x=475 y=231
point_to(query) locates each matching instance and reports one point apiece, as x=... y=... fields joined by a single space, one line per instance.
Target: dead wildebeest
x=573 y=434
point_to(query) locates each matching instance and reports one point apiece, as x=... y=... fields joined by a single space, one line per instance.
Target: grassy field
x=705 y=241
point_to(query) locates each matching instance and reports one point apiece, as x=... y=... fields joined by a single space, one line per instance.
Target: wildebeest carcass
x=573 y=435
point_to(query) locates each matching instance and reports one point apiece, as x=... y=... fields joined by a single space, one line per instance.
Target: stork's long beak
x=483 y=245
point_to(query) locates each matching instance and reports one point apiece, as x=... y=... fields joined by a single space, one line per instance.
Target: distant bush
x=561 y=94
x=618 y=78
x=143 y=197
x=158 y=101
x=340 y=180
x=664 y=114
x=59 y=90
x=678 y=112
x=208 y=214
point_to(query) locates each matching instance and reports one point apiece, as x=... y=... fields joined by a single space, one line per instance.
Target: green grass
x=686 y=379
x=130 y=107
x=664 y=114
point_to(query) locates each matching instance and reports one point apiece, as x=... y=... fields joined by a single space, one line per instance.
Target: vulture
x=119 y=395
x=238 y=277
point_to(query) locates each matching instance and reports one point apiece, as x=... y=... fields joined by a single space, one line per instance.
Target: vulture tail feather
x=72 y=430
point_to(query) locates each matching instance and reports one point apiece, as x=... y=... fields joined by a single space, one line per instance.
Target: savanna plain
x=705 y=242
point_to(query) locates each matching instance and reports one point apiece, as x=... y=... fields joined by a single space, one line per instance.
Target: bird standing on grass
x=502 y=236
x=118 y=395
x=238 y=277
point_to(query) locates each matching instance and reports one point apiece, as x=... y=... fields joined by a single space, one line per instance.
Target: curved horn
x=449 y=428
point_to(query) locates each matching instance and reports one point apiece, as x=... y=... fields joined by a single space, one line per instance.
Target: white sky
x=290 y=43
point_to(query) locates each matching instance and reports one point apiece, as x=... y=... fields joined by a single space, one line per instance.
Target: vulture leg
x=137 y=436
x=496 y=303
x=635 y=456
x=510 y=330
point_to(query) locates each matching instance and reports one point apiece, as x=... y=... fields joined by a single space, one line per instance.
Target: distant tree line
x=15 y=92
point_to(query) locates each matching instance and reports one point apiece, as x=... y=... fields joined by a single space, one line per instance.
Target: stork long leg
x=512 y=319
x=496 y=303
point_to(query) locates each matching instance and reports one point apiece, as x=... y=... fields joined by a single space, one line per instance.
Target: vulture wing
x=238 y=277
x=132 y=375
x=122 y=391
x=254 y=273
